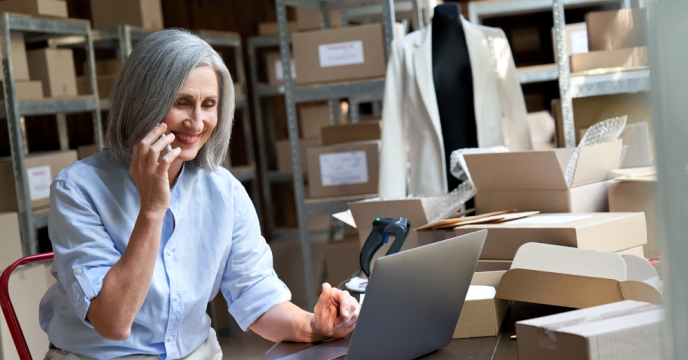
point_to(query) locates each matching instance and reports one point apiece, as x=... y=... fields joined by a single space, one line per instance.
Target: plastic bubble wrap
x=440 y=207
x=457 y=163
x=604 y=131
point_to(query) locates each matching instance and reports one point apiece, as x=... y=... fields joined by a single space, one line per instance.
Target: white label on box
x=40 y=178
x=579 y=42
x=548 y=220
x=338 y=54
x=344 y=168
x=279 y=74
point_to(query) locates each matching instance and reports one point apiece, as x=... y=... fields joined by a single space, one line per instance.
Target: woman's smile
x=186 y=138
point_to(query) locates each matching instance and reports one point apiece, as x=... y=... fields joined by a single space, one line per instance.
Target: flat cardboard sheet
x=578 y=278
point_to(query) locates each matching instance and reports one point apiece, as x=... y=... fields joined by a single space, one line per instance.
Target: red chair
x=8 y=309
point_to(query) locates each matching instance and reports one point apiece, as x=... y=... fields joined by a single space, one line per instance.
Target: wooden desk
x=501 y=347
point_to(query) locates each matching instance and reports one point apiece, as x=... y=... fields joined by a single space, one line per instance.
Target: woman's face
x=194 y=115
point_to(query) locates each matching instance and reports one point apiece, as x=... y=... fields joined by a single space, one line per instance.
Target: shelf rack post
x=564 y=90
x=93 y=82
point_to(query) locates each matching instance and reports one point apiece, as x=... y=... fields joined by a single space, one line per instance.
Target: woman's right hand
x=150 y=174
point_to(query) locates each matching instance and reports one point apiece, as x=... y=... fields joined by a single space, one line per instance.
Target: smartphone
x=164 y=151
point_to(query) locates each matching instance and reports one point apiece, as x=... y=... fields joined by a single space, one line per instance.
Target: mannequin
x=453 y=78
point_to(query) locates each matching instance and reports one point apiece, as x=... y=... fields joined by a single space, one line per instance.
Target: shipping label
x=579 y=42
x=344 y=168
x=40 y=178
x=279 y=74
x=338 y=54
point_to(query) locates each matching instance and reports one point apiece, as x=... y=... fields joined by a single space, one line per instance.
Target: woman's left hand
x=336 y=312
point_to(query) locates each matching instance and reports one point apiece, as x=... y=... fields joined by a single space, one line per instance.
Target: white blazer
x=411 y=127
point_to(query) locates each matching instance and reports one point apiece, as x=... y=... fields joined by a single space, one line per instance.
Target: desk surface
x=501 y=347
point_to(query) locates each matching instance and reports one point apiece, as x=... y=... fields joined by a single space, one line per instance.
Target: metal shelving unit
x=38 y=29
x=123 y=38
x=355 y=92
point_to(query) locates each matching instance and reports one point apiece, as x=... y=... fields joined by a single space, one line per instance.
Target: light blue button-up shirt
x=210 y=242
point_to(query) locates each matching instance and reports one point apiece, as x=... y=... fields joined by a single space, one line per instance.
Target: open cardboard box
x=577 y=278
x=633 y=195
x=622 y=330
x=482 y=317
x=535 y=180
x=610 y=232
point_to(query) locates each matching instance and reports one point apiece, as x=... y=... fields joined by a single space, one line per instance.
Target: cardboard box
x=85 y=151
x=344 y=169
x=41 y=169
x=639 y=152
x=419 y=211
x=312 y=118
x=623 y=330
x=27 y=90
x=146 y=14
x=345 y=133
x=273 y=62
x=493 y=265
x=55 y=68
x=105 y=82
x=309 y=19
x=482 y=317
x=271 y=28
x=535 y=180
x=348 y=53
x=627 y=57
x=625 y=196
x=594 y=231
x=19 y=62
x=284 y=164
x=616 y=29
x=105 y=67
x=54 y=8
x=577 y=278
x=10 y=242
x=27 y=286
x=635 y=251
x=576 y=40
x=542 y=129
x=342 y=259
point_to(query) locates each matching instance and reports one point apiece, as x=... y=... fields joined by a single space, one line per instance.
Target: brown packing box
x=85 y=151
x=343 y=169
x=616 y=29
x=273 y=61
x=594 y=231
x=41 y=169
x=27 y=90
x=418 y=211
x=482 y=317
x=271 y=28
x=284 y=164
x=312 y=118
x=342 y=259
x=576 y=40
x=348 y=53
x=27 y=286
x=309 y=19
x=625 y=196
x=535 y=180
x=627 y=57
x=146 y=14
x=578 y=278
x=57 y=8
x=10 y=241
x=622 y=330
x=55 y=68
x=344 y=133
x=19 y=62
x=105 y=67
x=105 y=82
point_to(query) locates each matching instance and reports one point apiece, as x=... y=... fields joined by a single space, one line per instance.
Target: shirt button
x=169 y=338
x=169 y=252
x=78 y=271
x=176 y=298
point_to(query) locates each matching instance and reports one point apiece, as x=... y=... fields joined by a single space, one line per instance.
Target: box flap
x=528 y=170
x=640 y=291
x=596 y=162
x=655 y=315
x=488 y=278
x=570 y=318
x=571 y=261
x=365 y=212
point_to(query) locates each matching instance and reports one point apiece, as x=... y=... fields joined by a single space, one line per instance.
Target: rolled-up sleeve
x=249 y=283
x=84 y=252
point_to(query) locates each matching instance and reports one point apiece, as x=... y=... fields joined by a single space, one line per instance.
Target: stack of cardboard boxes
x=106 y=72
x=50 y=8
x=26 y=88
x=145 y=14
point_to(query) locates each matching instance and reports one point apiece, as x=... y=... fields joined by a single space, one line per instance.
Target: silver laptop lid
x=414 y=298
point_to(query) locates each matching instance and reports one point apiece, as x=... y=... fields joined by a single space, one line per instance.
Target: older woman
x=143 y=239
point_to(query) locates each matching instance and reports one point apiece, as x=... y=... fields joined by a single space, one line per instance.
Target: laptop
x=412 y=303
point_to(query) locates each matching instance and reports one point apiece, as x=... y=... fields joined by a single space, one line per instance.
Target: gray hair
x=147 y=87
